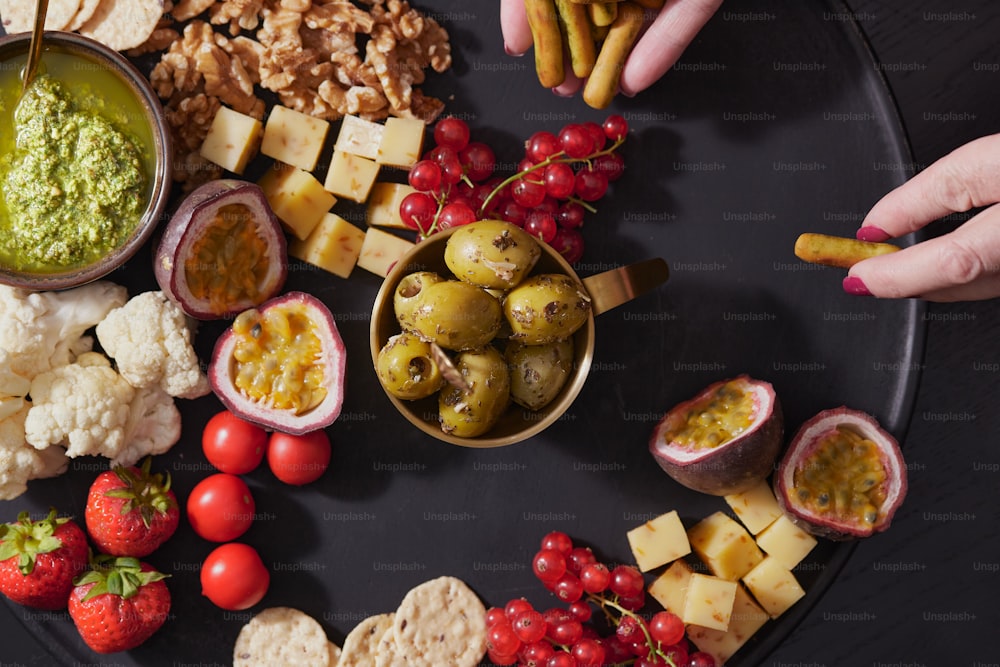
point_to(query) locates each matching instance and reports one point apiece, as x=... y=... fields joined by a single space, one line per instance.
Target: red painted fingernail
x=856 y=286
x=873 y=234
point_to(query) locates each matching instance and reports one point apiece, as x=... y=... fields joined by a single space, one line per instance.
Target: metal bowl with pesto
x=84 y=162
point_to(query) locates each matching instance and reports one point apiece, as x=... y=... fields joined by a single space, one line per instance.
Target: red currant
x=513 y=213
x=630 y=630
x=556 y=615
x=588 y=653
x=501 y=659
x=569 y=244
x=537 y=654
x=541 y=225
x=595 y=577
x=494 y=615
x=559 y=180
x=548 y=565
x=568 y=588
x=611 y=165
x=626 y=581
x=451 y=132
x=581 y=610
x=570 y=215
x=578 y=558
x=417 y=211
x=649 y=660
x=566 y=633
x=479 y=161
x=527 y=192
x=425 y=176
x=500 y=638
x=677 y=653
x=575 y=141
x=701 y=659
x=634 y=602
x=615 y=651
x=558 y=541
x=591 y=184
x=597 y=135
x=541 y=145
x=615 y=127
x=515 y=607
x=456 y=214
x=529 y=626
x=666 y=628
x=447 y=159
x=561 y=659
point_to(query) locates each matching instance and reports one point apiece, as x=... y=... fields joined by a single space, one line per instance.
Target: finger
x=961 y=265
x=514 y=27
x=964 y=179
x=570 y=86
x=664 y=41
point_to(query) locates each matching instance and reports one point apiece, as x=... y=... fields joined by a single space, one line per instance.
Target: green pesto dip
x=73 y=187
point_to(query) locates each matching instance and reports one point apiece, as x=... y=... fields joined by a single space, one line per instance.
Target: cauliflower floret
x=20 y=462
x=83 y=406
x=44 y=330
x=154 y=426
x=150 y=340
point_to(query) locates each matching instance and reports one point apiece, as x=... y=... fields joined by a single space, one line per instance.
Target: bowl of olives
x=483 y=336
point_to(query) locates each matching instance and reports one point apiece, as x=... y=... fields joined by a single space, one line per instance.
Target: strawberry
x=131 y=512
x=39 y=559
x=118 y=603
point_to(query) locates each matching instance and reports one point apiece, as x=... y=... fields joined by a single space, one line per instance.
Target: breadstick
x=579 y=42
x=602 y=13
x=838 y=251
x=650 y=4
x=544 y=23
x=602 y=84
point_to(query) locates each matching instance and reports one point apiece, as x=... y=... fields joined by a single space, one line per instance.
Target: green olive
x=406 y=368
x=468 y=414
x=456 y=315
x=491 y=253
x=406 y=296
x=546 y=308
x=538 y=372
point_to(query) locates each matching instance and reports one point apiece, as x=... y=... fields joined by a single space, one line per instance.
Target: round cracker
x=123 y=24
x=441 y=622
x=361 y=643
x=387 y=654
x=19 y=15
x=86 y=11
x=281 y=636
x=334 y=655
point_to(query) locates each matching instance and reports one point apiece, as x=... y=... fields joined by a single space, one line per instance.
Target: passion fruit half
x=222 y=252
x=724 y=440
x=842 y=477
x=282 y=365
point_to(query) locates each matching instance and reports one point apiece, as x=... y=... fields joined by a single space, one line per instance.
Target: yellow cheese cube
x=725 y=546
x=359 y=137
x=756 y=507
x=381 y=250
x=296 y=197
x=294 y=137
x=659 y=541
x=774 y=586
x=334 y=246
x=383 y=204
x=232 y=140
x=709 y=601
x=786 y=542
x=402 y=141
x=670 y=588
x=350 y=176
x=747 y=618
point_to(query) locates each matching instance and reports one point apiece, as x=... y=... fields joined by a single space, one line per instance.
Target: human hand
x=963 y=265
x=656 y=51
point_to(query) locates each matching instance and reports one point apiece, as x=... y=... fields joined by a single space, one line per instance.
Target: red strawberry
x=119 y=603
x=38 y=560
x=131 y=512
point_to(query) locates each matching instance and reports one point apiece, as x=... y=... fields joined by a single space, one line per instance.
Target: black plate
x=776 y=122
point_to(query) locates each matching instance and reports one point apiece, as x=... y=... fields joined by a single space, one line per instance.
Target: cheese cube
x=296 y=197
x=350 y=176
x=294 y=137
x=755 y=507
x=709 y=601
x=659 y=541
x=232 y=140
x=381 y=250
x=334 y=246
x=359 y=137
x=383 y=204
x=786 y=542
x=725 y=546
x=774 y=586
x=747 y=618
x=402 y=141
x=670 y=588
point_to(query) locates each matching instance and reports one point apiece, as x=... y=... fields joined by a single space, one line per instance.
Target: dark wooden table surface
x=923 y=594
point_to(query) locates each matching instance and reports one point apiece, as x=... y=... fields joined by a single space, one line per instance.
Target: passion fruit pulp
x=724 y=440
x=282 y=365
x=843 y=476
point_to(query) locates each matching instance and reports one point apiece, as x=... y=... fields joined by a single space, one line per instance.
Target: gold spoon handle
x=35 y=50
x=613 y=288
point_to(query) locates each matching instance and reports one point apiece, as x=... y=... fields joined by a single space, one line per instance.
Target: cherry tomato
x=220 y=507
x=232 y=444
x=298 y=459
x=234 y=577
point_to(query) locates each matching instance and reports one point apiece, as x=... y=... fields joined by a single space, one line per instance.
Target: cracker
x=441 y=622
x=123 y=24
x=334 y=655
x=86 y=11
x=281 y=636
x=388 y=654
x=19 y=15
x=361 y=643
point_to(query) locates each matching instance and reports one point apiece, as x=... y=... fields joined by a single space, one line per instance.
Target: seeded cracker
x=282 y=636
x=123 y=24
x=19 y=15
x=361 y=643
x=441 y=622
x=388 y=654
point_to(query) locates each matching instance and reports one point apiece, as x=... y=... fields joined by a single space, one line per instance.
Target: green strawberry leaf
x=26 y=539
x=122 y=576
